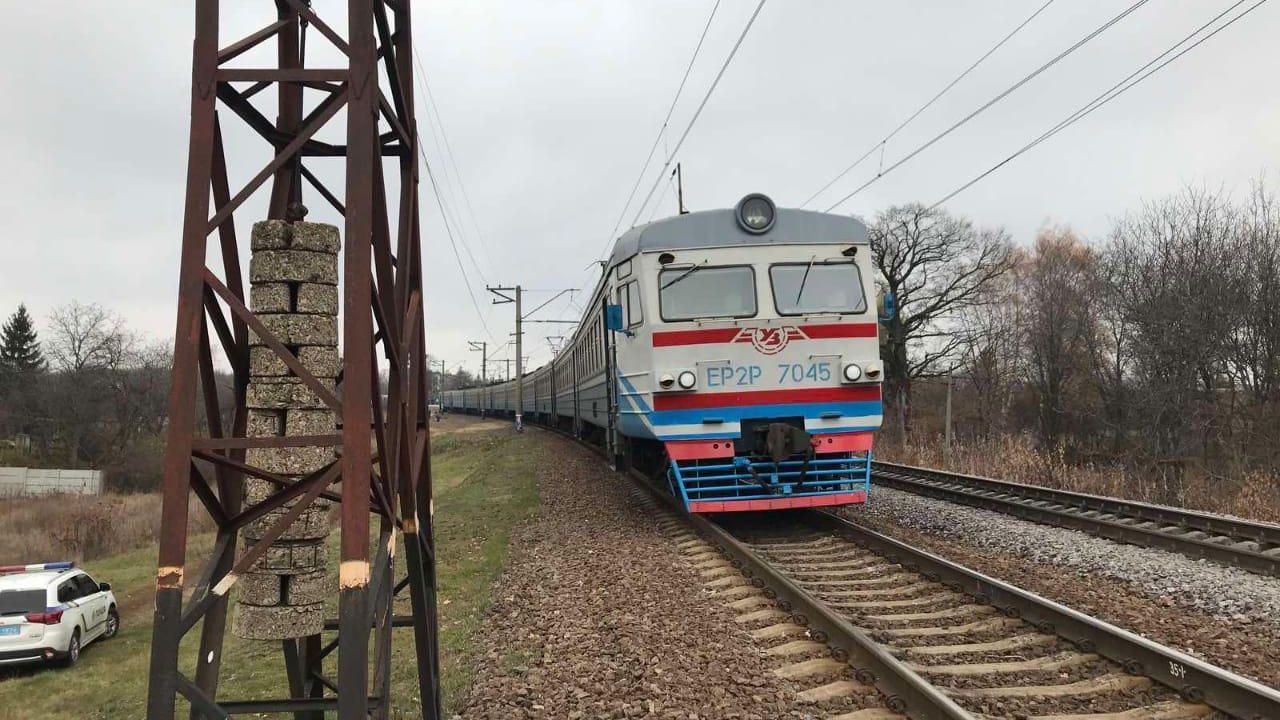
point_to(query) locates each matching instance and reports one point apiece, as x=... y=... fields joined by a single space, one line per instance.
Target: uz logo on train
x=769 y=341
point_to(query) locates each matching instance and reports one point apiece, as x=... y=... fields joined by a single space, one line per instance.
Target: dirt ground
x=598 y=616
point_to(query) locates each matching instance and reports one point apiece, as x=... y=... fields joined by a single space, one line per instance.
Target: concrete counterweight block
x=293 y=274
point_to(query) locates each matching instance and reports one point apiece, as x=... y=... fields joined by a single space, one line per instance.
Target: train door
x=610 y=383
x=576 y=364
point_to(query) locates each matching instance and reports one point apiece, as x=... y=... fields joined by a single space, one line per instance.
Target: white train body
x=747 y=358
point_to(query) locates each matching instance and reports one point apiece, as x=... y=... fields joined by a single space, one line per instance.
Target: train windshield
x=690 y=293
x=817 y=287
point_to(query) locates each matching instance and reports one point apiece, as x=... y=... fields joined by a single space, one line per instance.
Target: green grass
x=485 y=485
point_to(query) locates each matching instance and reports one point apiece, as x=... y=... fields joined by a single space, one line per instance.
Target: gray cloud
x=551 y=106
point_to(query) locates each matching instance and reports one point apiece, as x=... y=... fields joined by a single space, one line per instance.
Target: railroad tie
x=796 y=647
x=837 y=689
x=955 y=612
x=1113 y=682
x=880 y=592
x=1173 y=710
x=726 y=581
x=870 y=714
x=759 y=615
x=891 y=579
x=810 y=668
x=1049 y=663
x=1017 y=642
x=780 y=630
x=751 y=601
x=922 y=601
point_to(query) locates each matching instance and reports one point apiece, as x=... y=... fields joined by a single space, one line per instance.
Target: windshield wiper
x=805 y=279
x=682 y=276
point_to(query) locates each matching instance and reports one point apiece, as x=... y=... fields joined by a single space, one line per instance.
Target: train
x=731 y=353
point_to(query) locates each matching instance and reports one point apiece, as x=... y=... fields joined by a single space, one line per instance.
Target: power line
x=666 y=189
x=444 y=152
x=452 y=157
x=715 y=83
x=1008 y=91
x=444 y=215
x=662 y=129
x=880 y=145
x=449 y=230
x=1114 y=91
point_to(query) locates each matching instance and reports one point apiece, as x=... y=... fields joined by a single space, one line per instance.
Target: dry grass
x=1016 y=458
x=79 y=527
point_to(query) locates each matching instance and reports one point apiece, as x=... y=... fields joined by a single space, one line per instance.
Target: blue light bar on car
x=63 y=565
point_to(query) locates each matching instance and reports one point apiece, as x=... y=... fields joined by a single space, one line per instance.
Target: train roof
x=719 y=228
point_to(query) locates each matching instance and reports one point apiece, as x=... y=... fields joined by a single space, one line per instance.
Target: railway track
x=852 y=612
x=1252 y=546
x=939 y=640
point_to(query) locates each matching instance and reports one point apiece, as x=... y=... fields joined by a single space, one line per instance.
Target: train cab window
x=691 y=293
x=629 y=299
x=817 y=287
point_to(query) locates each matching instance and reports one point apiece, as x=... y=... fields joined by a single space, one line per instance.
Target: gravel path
x=597 y=616
x=1228 y=616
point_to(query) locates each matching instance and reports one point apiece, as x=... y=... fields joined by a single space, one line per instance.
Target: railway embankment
x=599 y=615
x=1226 y=616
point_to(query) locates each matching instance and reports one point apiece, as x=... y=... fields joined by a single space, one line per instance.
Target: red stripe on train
x=850 y=393
x=709 y=336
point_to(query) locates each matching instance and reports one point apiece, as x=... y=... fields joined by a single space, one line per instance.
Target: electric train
x=733 y=351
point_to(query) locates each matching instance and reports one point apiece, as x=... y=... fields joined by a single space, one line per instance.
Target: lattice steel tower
x=313 y=416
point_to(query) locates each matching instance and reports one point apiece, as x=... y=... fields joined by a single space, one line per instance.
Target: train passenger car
x=735 y=351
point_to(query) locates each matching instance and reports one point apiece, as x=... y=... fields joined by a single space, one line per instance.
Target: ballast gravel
x=1230 y=617
x=597 y=616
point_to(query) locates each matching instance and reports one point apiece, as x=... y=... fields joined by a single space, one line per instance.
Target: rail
x=1252 y=546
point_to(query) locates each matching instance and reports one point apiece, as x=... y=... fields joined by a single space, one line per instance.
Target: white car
x=51 y=611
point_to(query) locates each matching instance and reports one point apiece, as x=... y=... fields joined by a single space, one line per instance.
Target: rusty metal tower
x=377 y=465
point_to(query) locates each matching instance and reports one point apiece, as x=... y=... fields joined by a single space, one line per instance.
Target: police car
x=50 y=611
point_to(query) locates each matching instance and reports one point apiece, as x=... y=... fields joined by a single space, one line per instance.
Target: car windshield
x=817 y=287
x=21 y=602
x=703 y=292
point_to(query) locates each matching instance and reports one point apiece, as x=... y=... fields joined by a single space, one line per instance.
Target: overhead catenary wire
x=990 y=103
x=442 y=145
x=1114 y=91
x=453 y=243
x=883 y=142
x=434 y=107
x=666 y=189
x=448 y=228
x=662 y=128
x=698 y=113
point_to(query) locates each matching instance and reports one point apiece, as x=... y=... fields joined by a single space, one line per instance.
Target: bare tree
x=991 y=352
x=1059 y=284
x=88 y=344
x=1176 y=269
x=82 y=337
x=936 y=266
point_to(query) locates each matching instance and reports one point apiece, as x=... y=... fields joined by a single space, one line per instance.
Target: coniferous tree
x=19 y=346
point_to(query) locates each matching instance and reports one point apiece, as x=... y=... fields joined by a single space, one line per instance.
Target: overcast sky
x=550 y=108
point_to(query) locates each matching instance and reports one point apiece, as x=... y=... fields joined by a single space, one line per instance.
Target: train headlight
x=756 y=213
x=852 y=373
x=687 y=379
x=872 y=371
x=666 y=381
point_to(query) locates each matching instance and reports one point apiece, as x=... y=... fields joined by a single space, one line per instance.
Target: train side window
x=635 y=311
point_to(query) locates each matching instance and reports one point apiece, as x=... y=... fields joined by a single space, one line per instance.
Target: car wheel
x=113 y=624
x=73 y=649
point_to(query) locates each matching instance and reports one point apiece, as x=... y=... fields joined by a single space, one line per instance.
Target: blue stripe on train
x=746 y=412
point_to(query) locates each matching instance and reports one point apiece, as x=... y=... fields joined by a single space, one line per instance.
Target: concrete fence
x=32 y=481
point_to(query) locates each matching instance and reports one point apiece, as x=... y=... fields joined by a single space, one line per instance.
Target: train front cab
x=762 y=402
